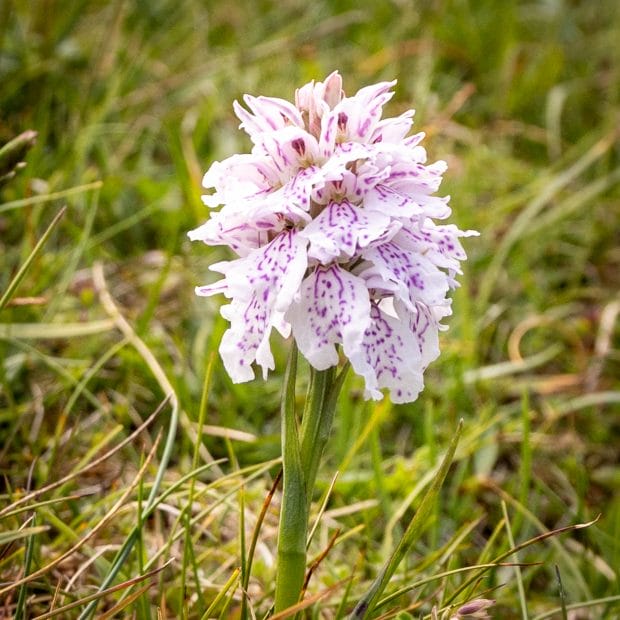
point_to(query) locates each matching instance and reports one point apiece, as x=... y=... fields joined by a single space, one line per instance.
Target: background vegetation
x=131 y=101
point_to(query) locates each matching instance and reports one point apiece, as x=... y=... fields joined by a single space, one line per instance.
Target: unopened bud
x=475 y=609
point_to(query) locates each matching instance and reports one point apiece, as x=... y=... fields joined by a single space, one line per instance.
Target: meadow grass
x=171 y=514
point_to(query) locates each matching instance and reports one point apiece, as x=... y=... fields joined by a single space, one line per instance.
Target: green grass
x=132 y=101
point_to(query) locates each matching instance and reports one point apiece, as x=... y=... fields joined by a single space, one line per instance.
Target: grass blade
x=19 y=276
x=518 y=577
x=561 y=592
x=222 y=593
x=8 y=537
x=101 y=593
x=35 y=200
x=414 y=530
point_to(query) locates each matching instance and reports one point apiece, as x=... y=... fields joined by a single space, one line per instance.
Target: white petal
x=386 y=200
x=262 y=287
x=297 y=193
x=439 y=244
x=409 y=175
x=341 y=182
x=332 y=89
x=354 y=119
x=274 y=271
x=243 y=232
x=411 y=276
x=249 y=327
x=333 y=308
x=424 y=326
x=393 y=129
x=315 y=100
x=341 y=230
x=389 y=357
x=288 y=149
x=270 y=113
x=238 y=177
x=212 y=289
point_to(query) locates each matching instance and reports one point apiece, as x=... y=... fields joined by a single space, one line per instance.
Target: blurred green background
x=131 y=102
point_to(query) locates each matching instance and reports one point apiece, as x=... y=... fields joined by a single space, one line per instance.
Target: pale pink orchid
x=332 y=216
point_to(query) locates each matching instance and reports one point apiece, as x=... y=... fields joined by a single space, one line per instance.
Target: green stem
x=294 y=510
x=301 y=455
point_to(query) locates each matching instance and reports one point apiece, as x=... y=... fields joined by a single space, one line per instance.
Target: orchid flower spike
x=332 y=217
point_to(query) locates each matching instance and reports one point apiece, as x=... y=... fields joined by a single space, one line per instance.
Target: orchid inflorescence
x=332 y=216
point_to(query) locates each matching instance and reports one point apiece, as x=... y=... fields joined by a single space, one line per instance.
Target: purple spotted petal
x=269 y=114
x=239 y=178
x=440 y=244
x=316 y=99
x=341 y=230
x=411 y=277
x=236 y=230
x=384 y=199
x=247 y=339
x=249 y=328
x=262 y=287
x=424 y=326
x=333 y=308
x=393 y=129
x=413 y=176
x=288 y=150
x=354 y=119
x=297 y=193
x=273 y=272
x=389 y=357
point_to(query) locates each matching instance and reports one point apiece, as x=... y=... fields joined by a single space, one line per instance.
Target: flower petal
x=389 y=357
x=247 y=339
x=273 y=272
x=391 y=202
x=410 y=276
x=316 y=99
x=354 y=118
x=333 y=308
x=262 y=286
x=297 y=193
x=411 y=175
x=341 y=230
x=393 y=130
x=288 y=150
x=249 y=328
x=238 y=177
x=270 y=113
x=439 y=243
x=424 y=326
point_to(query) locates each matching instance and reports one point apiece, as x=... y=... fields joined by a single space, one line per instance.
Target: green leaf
x=414 y=530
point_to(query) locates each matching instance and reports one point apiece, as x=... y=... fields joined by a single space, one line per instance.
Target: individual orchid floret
x=333 y=218
x=315 y=100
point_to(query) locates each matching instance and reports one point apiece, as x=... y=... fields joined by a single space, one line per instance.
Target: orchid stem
x=301 y=455
x=294 y=510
